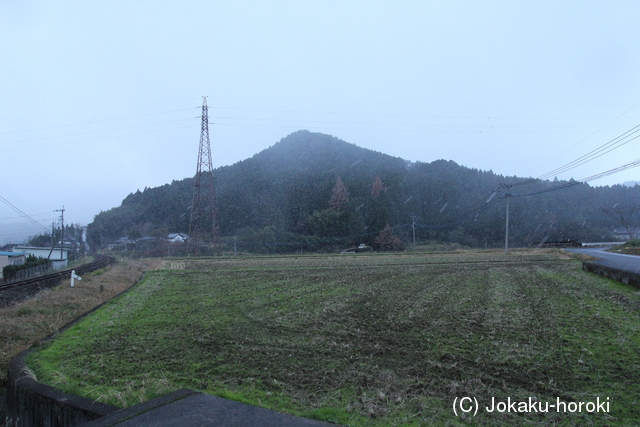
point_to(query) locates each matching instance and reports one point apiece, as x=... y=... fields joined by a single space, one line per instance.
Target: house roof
x=11 y=254
x=57 y=248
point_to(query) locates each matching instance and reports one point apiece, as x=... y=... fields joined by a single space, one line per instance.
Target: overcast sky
x=101 y=98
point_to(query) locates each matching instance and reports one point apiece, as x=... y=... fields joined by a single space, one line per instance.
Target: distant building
x=8 y=248
x=361 y=248
x=121 y=243
x=58 y=257
x=623 y=234
x=177 y=237
x=11 y=258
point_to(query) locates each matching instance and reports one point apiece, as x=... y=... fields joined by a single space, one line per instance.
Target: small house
x=58 y=257
x=11 y=258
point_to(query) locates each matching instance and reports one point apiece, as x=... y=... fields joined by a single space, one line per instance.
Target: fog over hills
x=292 y=196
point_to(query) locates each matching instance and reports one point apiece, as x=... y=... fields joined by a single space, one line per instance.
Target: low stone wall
x=616 y=274
x=30 y=403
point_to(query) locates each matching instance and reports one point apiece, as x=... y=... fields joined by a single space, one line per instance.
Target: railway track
x=52 y=279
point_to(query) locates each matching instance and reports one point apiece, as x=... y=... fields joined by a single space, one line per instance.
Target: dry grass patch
x=24 y=324
x=632 y=247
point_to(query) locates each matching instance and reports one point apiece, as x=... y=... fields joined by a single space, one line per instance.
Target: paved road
x=190 y=408
x=610 y=259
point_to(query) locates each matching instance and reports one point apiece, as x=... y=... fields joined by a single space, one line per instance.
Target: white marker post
x=74 y=276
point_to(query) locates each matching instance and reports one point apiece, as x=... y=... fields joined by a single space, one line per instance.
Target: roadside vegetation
x=24 y=324
x=364 y=339
x=632 y=247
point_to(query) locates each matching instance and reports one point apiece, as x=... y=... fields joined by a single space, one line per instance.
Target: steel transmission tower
x=203 y=227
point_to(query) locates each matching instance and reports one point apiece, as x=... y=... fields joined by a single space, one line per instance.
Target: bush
x=9 y=272
x=386 y=240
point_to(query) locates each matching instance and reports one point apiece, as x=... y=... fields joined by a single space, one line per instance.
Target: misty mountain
x=314 y=191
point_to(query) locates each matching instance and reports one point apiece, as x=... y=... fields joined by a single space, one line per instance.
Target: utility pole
x=413 y=227
x=53 y=239
x=62 y=238
x=203 y=205
x=506 y=232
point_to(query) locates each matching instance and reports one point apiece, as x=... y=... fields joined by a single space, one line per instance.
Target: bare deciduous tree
x=626 y=215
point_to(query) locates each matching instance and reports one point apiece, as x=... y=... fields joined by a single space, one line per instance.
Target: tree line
x=314 y=192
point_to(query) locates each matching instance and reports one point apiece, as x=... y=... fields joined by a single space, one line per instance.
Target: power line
x=500 y=193
x=613 y=144
x=5 y=117
x=589 y=136
x=99 y=131
x=97 y=138
x=347 y=113
x=97 y=121
x=24 y=215
x=19 y=217
x=302 y=125
x=630 y=165
x=478 y=126
x=475 y=208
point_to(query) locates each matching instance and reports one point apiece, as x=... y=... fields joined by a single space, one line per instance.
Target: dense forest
x=312 y=191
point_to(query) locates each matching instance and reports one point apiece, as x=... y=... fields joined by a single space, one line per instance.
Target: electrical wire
x=613 y=144
x=99 y=138
x=5 y=117
x=633 y=164
x=20 y=212
x=484 y=203
x=377 y=123
x=501 y=193
x=21 y=216
x=98 y=131
x=589 y=136
x=343 y=113
x=98 y=121
x=302 y=125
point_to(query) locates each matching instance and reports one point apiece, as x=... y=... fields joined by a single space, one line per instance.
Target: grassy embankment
x=365 y=340
x=26 y=323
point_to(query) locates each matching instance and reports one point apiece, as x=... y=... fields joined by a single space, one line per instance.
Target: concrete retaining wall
x=616 y=274
x=30 y=403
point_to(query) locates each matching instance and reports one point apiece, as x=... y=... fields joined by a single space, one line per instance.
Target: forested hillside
x=312 y=191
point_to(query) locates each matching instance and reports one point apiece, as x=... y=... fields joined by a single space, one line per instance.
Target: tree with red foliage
x=339 y=195
x=386 y=240
x=377 y=187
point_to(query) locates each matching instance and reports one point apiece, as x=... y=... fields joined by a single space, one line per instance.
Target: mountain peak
x=279 y=200
x=305 y=150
